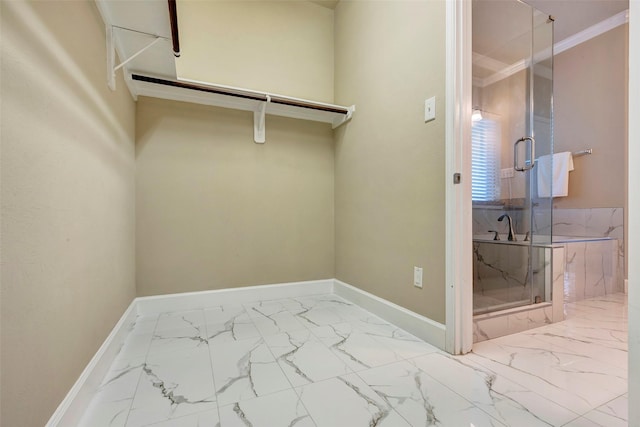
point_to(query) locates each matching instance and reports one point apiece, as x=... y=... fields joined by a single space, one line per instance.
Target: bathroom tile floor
x=322 y=361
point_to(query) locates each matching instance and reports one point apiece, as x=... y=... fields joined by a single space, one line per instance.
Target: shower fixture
x=512 y=234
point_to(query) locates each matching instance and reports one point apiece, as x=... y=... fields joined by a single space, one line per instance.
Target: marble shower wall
x=597 y=222
x=591 y=270
x=485 y=219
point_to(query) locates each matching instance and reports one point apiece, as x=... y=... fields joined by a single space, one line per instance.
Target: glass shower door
x=540 y=201
x=512 y=126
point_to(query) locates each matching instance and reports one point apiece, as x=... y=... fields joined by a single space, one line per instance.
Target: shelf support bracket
x=259 y=121
x=345 y=118
x=111 y=56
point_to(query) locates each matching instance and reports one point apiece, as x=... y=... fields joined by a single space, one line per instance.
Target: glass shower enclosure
x=512 y=126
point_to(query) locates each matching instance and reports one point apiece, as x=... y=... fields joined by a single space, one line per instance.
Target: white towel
x=558 y=180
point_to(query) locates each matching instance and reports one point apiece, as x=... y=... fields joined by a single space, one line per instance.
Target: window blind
x=485 y=160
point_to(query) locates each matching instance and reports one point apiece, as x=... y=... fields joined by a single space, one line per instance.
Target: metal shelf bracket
x=259 y=121
x=111 y=56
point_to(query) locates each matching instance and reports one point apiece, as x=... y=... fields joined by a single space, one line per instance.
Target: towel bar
x=582 y=152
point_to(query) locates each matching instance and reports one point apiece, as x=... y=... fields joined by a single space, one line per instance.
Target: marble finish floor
x=322 y=361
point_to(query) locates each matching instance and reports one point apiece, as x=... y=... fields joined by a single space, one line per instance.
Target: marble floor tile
x=347 y=401
x=233 y=330
x=262 y=309
x=135 y=345
x=605 y=416
x=283 y=408
x=406 y=346
x=180 y=320
x=315 y=302
x=329 y=301
x=318 y=316
x=604 y=333
x=273 y=318
x=510 y=403
x=106 y=413
x=245 y=369
x=145 y=324
x=606 y=348
x=230 y=323
x=201 y=419
x=173 y=385
x=355 y=348
x=184 y=338
x=611 y=414
x=350 y=312
x=567 y=377
x=224 y=313
x=609 y=308
x=420 y=399
x=304 y=359
x=321 y=361
x=582 y=422
x=112 y=401
x=122 y=380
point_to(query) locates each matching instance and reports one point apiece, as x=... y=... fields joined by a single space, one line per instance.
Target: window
x=485 y=160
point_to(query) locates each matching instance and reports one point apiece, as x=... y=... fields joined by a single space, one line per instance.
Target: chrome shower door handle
x=528 y=163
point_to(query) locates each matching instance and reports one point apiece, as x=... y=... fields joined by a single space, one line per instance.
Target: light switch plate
x=430 y=109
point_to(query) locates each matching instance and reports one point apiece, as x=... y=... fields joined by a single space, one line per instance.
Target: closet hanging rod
x=256 y=96
x=173 y=20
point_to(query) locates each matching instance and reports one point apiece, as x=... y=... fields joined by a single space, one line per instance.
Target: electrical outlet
x=417 y=277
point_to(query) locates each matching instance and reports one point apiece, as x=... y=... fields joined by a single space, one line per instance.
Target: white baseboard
x=422 y=327
x=203 y=299
x=75 y=403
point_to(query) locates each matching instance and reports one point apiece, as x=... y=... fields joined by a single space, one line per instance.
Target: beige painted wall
x=215 y=210
x=282 y=47
x=590 y=87
x=390 y=190
x=67 y=200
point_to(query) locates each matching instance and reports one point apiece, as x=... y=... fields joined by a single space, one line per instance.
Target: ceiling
x=329 y=4
x=502 y=35
x=501 y=28
x=573 y=16
x=499 y=21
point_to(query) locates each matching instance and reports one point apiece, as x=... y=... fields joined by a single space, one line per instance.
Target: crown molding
x=559 y=47
x=591 y=32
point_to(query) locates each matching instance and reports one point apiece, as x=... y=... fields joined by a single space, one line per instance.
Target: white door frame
x=459 y=262
x=633 y=203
